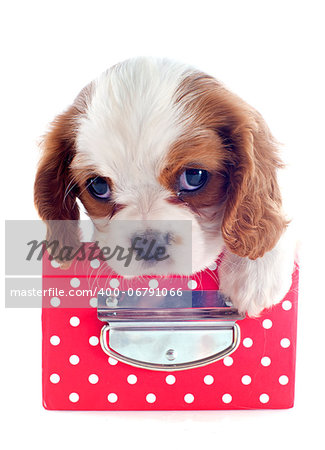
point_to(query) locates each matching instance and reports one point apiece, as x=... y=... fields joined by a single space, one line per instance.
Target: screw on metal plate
x=111 y=302
x=171 y=354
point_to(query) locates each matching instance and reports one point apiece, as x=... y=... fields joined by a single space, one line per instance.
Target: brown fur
x=55 y=190
x=225 y=136
x=95 y=208
x=204 y=151
x=253 y=221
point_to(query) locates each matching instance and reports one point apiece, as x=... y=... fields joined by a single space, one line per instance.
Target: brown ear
x=253 y=221
x=54 y=190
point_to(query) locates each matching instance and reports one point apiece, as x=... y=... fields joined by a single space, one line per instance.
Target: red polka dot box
x=160 y=343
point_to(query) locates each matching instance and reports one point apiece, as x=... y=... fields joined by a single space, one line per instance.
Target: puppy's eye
x=192 y=179
x=98 y=188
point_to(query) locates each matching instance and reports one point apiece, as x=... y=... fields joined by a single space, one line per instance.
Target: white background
x=270 y=53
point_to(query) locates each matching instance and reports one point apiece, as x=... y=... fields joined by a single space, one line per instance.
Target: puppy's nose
x=151 y=245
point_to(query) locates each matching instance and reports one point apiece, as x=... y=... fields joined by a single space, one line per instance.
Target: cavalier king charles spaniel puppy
x=155 y=140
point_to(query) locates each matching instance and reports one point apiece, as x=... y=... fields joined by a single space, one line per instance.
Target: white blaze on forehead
x=132 y=120
x=130 y=124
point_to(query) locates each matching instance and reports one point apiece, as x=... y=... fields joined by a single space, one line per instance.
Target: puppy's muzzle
x=151 y=246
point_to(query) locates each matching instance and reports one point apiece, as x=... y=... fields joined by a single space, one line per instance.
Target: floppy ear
x=54 y=190
x=253 y=221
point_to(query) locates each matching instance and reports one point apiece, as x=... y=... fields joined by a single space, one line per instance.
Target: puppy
x=154 y=140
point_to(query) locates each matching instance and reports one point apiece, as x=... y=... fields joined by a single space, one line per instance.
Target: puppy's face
x=164 y=159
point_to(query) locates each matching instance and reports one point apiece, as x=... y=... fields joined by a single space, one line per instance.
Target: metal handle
x=168 y=347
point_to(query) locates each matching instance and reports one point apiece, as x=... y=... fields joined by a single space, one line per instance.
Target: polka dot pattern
x=93 y=340
x=226 y=398
x=93 y=302
x=151 y=398
x=228 y=361
x=265 y=361
x=132 y=379
x=55 y=302
x=112 y=361
x=283 y=380
x=74 y=397
x=287 y=305
x=264 y=398
x=246 y=380
x=112 y=397
x=55 y=264
x=74 y=321
x=114 y=283
x=208 y=379
x=192 y=284
x=95 y=263
x=247 y=342
x=93 y=378
x=55 y=340
x=285 y=342
x=189 y=398
x=153 y=284
x=78 y=375
x=267 y=324
x=54 y=378
x=74 y=360
x=74 y=282
x=170 y=379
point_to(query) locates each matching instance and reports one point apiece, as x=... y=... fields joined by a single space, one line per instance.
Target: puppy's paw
x=255 y=285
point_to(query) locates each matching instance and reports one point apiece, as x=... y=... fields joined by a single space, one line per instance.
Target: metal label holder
x=169 y=338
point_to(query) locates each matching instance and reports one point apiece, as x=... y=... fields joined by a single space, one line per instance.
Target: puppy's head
x=151 y=145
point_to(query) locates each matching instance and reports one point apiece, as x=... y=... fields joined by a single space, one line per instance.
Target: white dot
x=286 y=305
x=285 y=343
x=93 y=302
x=153 y=284
x=54 y=378
x=93 y=340
x=189 y=398
x=74 y=321
x=267 y=324
x=112 y=397
x=247 y=342
x=74 y=359
x=114 y=283
x=264 y=398
x=93 y=378
x=75 y=282
x=151 y=398
x=170 y=379
x=228 y=361
x=112 y=361
x=94 y=263
x=73 y=397
x=212 y=266
x=265 y=361
x=55 y=301
x=246 y=379
x=55 y=340
x=132 y=379
x=192 y=284
x=283 y=380
x=208 y=379
x=55 y=264
x=226 y=398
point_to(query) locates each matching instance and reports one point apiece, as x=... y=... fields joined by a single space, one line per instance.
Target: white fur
x=131 y=122
x=253 y=285
x=126 y=133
